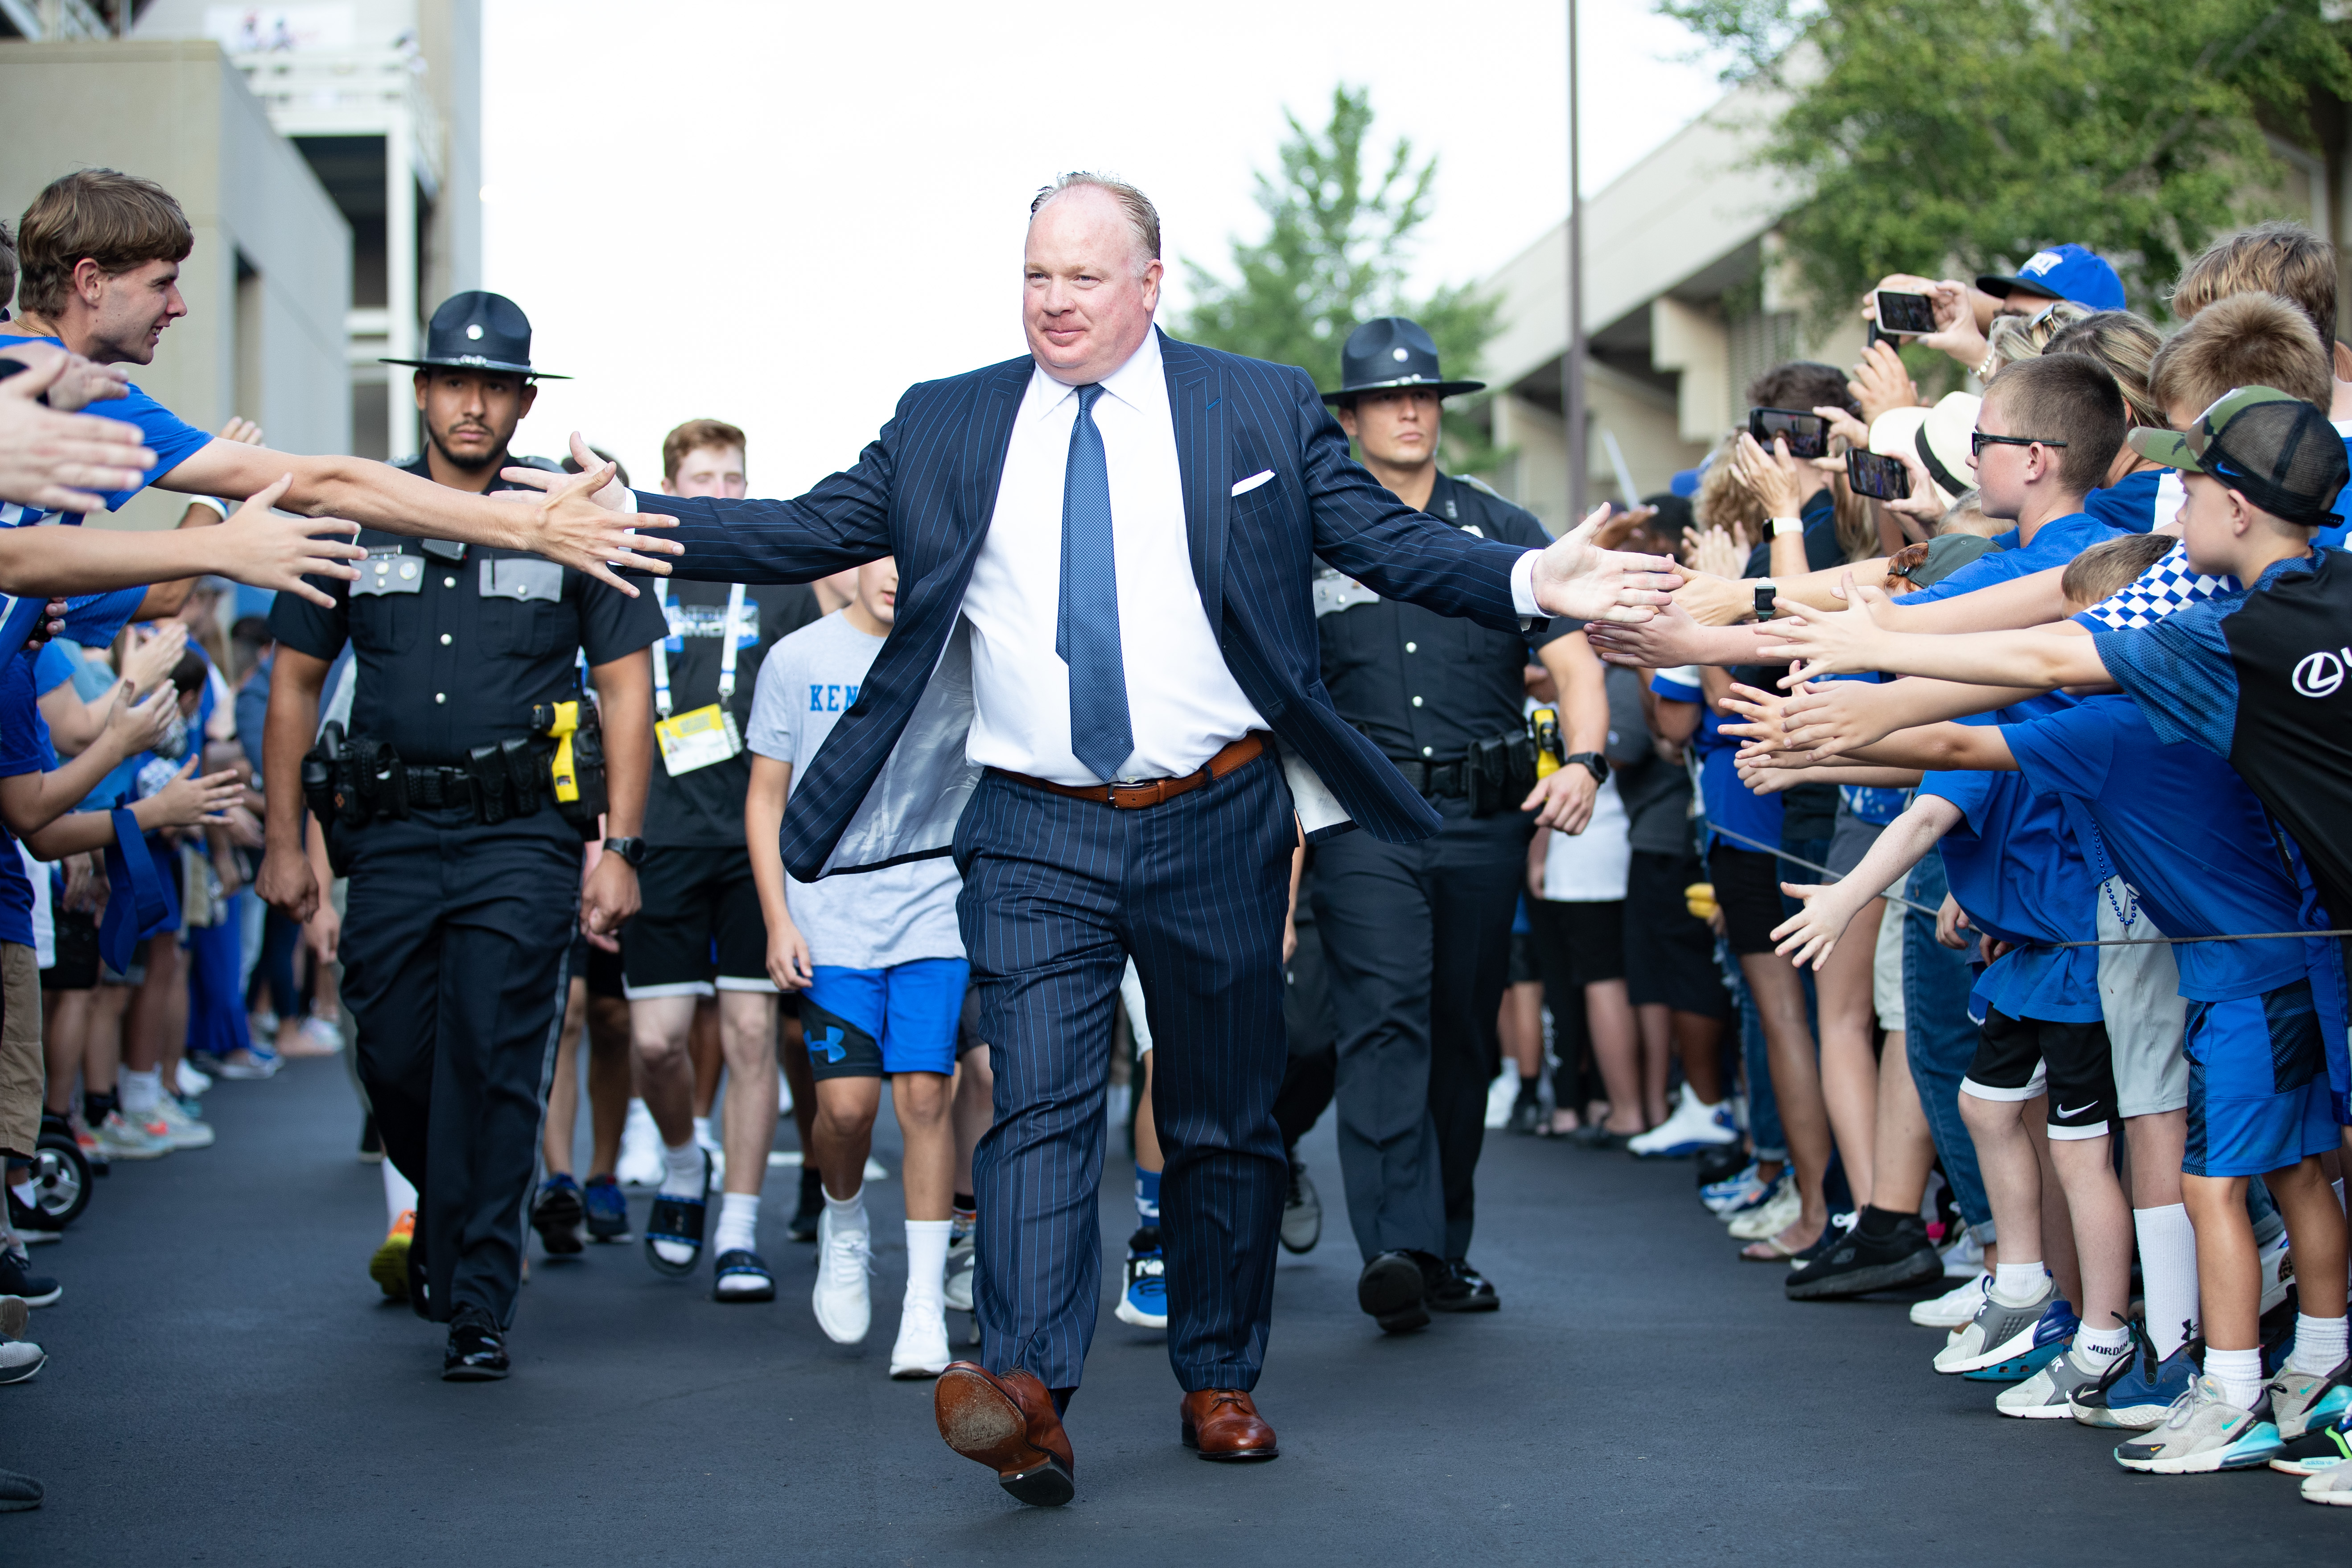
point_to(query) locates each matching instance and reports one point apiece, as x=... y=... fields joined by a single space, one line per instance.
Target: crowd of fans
x=1891 y=955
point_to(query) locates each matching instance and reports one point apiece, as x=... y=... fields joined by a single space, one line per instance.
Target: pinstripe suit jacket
x=889 y=782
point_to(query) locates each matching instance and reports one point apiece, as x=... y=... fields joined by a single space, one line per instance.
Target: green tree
x=1335 y=255
x=1923 y=133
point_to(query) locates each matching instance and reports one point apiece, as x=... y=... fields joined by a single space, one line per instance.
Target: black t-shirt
x=455 y=643
x=704 y=807
x=1424 y=686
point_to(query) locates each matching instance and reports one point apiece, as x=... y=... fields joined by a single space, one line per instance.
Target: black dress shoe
x=477 y=1351
x=1461 y=1288
x=1391 y=1289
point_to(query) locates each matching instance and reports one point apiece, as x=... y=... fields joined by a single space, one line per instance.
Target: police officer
x=1416 y=937
x=457 y=805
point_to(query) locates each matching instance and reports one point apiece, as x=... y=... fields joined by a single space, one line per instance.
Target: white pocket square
x=1252 y=482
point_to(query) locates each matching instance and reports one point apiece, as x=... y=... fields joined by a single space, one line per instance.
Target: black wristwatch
x=633 y=850
x=1592 y=762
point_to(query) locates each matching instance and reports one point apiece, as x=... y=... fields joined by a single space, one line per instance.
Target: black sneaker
x=33 y=1224
x=1392 y=1288
x=1855 y=1263
x=371 y=1142
x=1527 y=1111
x=804 y=1222
x=477 y=1351
x=557 y=1216
x=1720 y=1163
x=17 y=1280
x=1458 y=1288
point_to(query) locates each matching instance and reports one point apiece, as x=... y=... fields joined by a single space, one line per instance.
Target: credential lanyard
x=726 y=655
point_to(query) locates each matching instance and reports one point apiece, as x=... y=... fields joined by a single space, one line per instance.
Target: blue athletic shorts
x=2257 y=1092
x=864 y=1023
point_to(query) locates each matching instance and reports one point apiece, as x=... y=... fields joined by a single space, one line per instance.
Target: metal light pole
x=1571 y=367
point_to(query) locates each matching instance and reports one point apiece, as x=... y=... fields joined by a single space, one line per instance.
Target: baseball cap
x=2275 y=450
x=2063 y=272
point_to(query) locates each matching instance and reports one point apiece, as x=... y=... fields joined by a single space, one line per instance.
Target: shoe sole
x=1300 y=1249
x=1131 y=1316
x=757 y=1294
x=1475 y=1304
x=24 y=1374
x=979 y=1421
x=1391 y=1296
x=817 y=1308
x=1191 y=1438
x=2253 y=1451
x=473 y=1374
x=112 y=1151
x=2311 y=1465
x=1684 y=1150
x=1912 y=1270
x=2017 y=1369
x=2131 y=1419
x=2009 y=1349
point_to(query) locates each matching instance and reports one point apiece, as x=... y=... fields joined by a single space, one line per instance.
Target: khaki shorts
x=1886 y=962
x=23 y=1077
x=2139 y=992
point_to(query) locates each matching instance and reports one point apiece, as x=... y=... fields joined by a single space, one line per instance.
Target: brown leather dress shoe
x=1006 y=1421
x=1222 y=1423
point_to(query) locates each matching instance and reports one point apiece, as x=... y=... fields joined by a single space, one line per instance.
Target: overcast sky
x=800 y=210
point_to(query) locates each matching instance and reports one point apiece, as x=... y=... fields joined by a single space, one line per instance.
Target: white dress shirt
x=1182 y=702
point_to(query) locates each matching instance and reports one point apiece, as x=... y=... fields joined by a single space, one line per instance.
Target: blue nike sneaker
x=2053 y=1332
x=1144 y=1299
x=1735 y=1192
x=608 y=1210
x=2139 y=1390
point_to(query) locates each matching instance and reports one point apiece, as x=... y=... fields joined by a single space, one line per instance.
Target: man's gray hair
x=1141 y=215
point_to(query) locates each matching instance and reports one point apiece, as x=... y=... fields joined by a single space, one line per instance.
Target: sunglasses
x=1978 y=441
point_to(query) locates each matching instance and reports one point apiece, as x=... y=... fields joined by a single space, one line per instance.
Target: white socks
x=399 y=1197
x=141 y=1090
x=848 y=1215
x=927 y=1262
x=2168 y=1266
x=2319 y=1344
x=682 y=1172
x=2238 y=1373
x=2105 y=1343
x=739 y=1223
x=2015 y=1284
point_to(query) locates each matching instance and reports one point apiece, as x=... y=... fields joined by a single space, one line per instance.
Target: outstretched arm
x=1813 y=932
x=1851 y=641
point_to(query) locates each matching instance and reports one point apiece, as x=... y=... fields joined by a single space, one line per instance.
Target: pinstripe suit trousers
x=1058 y=894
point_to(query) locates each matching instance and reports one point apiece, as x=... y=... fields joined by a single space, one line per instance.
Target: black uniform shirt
x=453 y=653
x=1424 y=686
x=704 y=807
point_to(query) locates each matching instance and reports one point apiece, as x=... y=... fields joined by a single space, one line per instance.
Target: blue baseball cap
x=2063 y=272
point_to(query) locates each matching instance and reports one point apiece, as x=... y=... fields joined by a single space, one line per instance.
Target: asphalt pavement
x=226 y=1386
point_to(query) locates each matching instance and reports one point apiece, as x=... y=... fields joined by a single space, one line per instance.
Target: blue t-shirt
x=1871 y=803
x=2130 y=503
x=24 y=749
x=1728 y=804
x=2184 y=830
x=2055 y=542
x=2014 y=866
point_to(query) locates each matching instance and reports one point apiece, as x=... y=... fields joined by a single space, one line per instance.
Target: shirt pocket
x=386 y=605
x=522 y=603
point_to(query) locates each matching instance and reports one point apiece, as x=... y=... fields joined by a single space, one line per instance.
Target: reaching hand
x=243 y=432
x=1880 y=383
x=568 y=523
x=1773 y=477
x=1712 y=601
x=1956 y=333
x=267 y=551
x=135 y=727
x=1622 y=524
x=1716 y=551
x=1830 y=718
x=1924 y=506
x=77 y=383
x=1813 y=931
x=1578 y=579
x=189 y=802
x=61 y=461
x=1828 y=642
x=151 y=656
x=1662 y=642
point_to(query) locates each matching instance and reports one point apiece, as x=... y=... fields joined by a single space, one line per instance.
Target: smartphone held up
x=1808 y=434
x=1880 y=478
x=1902 y=315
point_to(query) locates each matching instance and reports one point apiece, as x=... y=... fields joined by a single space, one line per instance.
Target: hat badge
x=1398 y=354
x=474 y=331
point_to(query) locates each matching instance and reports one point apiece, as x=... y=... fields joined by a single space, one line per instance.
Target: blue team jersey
x=2136 y=503
x=2015 y=868
x=2184 y=830
x=24 y=749
x=1728 y=803
x=2055 y=542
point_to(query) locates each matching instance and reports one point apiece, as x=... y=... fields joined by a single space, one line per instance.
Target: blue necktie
x=1086 y=633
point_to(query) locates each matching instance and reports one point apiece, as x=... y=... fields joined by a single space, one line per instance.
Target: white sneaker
x=19 y=1359
x=193 y=1081
x=1964 y=1259
x=324 y=1033
x=641 y=1163
x=1770 y=1217
x=922 y=1347
x=1954 y=1307
x=1693 y=1126
x=182 y=1129
x=962 y=1255
x=120 y=1138
x=1501 y=1095
x=843 y=1298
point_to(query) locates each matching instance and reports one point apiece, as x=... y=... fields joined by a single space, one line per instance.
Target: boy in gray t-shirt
x=881 y=965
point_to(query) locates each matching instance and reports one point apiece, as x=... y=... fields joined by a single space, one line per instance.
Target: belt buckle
x=1136 y=796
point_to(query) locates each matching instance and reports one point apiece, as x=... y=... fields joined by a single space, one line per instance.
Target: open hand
x=152 y=655
x=1577 y=578
x=1828 y=642
x=1813 y=933
x=132 y=727
x=189 y=802
x=1714 y=550
x=574 y=519
x=269 y=550
x=77 y=383
x=1714 y=600
x=1830 y=718
x=1880 y=383
x=62 y=461
x=1622 y=524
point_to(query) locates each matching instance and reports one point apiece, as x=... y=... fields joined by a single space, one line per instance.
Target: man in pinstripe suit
x=1101 y=697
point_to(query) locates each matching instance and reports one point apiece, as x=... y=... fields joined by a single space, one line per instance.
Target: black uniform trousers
x=1417 y=946
x=456 y=936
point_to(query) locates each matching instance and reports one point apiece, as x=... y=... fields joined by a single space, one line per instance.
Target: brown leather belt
x=1136 y=796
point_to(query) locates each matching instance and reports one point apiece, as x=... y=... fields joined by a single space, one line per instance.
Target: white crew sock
x=739 y=1223
x=927 y=1261
x=848 y=1215
x=2015 y=1284
x=399 y=1197
x=2319 y=1344
x=2238 y=1373
x=2105 y=1343
x=141 y=1090
x=702 y=1137
x=682 y=1172
x=2168 y=1268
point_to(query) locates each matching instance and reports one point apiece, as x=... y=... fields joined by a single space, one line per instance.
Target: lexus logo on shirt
x=2321 y=674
